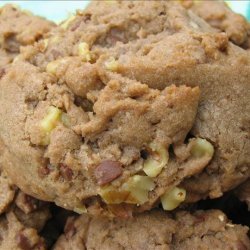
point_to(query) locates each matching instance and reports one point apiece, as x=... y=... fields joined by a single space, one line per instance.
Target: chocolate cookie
x=155 y=230
x=98 y=125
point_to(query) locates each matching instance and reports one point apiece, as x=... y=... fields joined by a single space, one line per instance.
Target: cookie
x=96 y=113
x=220 y=16
x=155 y=230
x=21 y=218
x=14 y=235
x=109 y=151
x=19 y=28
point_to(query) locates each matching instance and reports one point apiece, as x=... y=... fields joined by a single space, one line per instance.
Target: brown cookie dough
x=19 y=28
x=107 y=148
x=7 y=193
x=15 y=236
x=155 y=230
x=21 y=218
x=5 y=59
x=96 y=97
x=221 y=17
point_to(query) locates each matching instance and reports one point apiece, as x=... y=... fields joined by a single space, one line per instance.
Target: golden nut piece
x=156 y=161
x=50 y=121
x=80 y=209
x=201 y=148
x=134 y=191
x=44 y=45
x=84 y=52
x=66 y=23
x=173 y=198
x=111 y=64
x=53 y=66
x=111 y=195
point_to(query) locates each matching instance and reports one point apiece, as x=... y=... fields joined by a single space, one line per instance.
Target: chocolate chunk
x=66 y=172
x=107 y=171
x=23 y=242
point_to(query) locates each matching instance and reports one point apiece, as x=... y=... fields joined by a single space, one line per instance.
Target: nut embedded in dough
x=156 y=161
x=202 y=147
x=173 y=198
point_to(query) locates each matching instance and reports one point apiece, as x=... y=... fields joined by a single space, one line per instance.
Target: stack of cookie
x=128 y=113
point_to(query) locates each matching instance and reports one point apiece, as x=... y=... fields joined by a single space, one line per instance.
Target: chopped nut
x=52 y=66
x=138 y=186
x=81 y=209
x=201 y=148
x=111 y=195
x=17 y=58
x=50 y=121
x=107 y=171
x=156 y=161
x=173 y=198
x=44 y=45
x=66 y=23
x=134 y=191
x=84 y=52
x=112 y=64
x=229 y=225
x=221 y=217
x=65 y=120
x=194 y=25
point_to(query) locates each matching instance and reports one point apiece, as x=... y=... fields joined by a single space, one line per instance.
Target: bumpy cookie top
x=220 y=16
x=99 y=127
x=118 y=147
x=19 y=27
x=154 y=230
